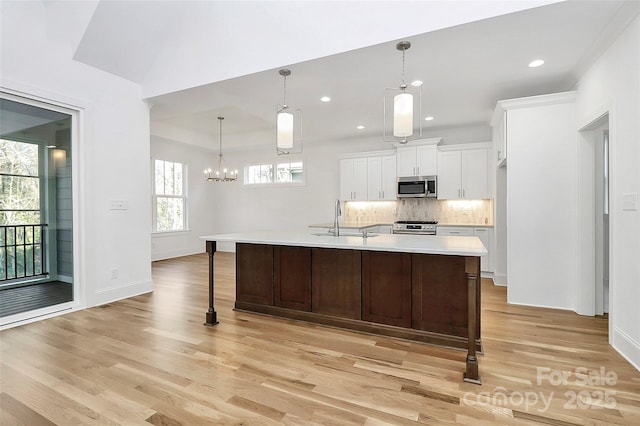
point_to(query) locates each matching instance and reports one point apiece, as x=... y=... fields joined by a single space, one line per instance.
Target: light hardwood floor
x=149 y=360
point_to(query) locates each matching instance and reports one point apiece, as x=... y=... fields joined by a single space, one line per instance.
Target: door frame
x=77 y=136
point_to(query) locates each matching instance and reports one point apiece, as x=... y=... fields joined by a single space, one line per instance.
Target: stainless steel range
x=415 y=227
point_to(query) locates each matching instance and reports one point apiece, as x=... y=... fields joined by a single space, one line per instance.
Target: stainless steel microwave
x=417 y=187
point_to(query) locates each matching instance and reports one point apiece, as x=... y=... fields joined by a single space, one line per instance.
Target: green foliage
x=19 y=183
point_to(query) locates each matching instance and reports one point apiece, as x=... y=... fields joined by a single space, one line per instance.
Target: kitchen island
x=407 y=286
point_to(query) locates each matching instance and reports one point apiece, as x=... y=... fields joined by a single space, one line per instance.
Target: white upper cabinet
x=449 y=175
x=463 y=174
x=418 y=159
x=353 y=179
x=381 y=180
x=499 y=129
x=406 y=161
x=475 y=174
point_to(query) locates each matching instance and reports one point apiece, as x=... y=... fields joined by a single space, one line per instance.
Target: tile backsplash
x=460 y=212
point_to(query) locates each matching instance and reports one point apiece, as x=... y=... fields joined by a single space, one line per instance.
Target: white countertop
x=425 y=244
x=467 y=225
x=351 y=225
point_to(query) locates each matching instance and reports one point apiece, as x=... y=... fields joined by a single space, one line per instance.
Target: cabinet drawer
x=460 y=231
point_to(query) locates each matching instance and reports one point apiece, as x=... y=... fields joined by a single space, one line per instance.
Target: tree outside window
x=277 y=173
x=19 y=183
x=169 y=196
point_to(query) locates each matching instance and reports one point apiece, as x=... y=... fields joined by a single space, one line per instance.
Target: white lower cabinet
x=485 y=235
x=460 y=231
x=381 y=229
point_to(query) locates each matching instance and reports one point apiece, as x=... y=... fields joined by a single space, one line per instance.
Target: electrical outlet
x=114 y=274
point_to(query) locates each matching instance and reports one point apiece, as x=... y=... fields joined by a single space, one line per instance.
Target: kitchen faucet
x=336 y=225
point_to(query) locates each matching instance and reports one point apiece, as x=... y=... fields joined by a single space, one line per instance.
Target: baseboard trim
x=500 y=279
x=539 y=306
x=170 y=254
x=119 y=292
x=627 y=346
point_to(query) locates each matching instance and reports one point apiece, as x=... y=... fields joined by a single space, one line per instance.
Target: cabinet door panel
x=439 y=294
x=483 y=234
x=346 y=179
x=292 y=277
x=254 y=273
x=374 y=181
x=360 y=179
x=386 y=288
x=427 y=160
x=336 y=283
x=475 y=181
x=389 y=179
x=406 y=161
x=449 y=175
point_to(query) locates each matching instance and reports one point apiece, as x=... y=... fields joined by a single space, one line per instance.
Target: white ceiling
x=466 y=69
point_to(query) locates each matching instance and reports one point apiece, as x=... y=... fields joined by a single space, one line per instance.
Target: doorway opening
x=595 y=232
x=601 y=205
x=36 y=209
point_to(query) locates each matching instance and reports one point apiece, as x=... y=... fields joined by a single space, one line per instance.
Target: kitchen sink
x=344 y=234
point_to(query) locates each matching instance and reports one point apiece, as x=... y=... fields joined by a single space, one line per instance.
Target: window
x=261 y=173
x=19 y=184
x=264 y=173
x=169 y=196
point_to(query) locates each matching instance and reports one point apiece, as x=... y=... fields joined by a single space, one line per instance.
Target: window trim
x=184 y=197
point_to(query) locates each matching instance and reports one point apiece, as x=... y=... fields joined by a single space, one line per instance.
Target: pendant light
x=222 y=173
x=288 y=124
x=403 y=105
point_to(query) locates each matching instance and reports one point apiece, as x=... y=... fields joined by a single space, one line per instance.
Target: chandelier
x=222 y=173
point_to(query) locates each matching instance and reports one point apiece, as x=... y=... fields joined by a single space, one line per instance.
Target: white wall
x=244 y=208
x=112 y=156
x=201 y=199
x=613 y=84
x=542 y=202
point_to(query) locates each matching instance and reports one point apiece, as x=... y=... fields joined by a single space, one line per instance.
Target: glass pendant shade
x=285 y=130
x=402 y=108
x=403 y=115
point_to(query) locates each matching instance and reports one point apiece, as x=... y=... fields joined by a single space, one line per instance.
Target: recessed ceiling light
x=417 y=83
x=325 y=99
x=429 y=118
x=360 y=127
x=51 y=146
x=536 y=63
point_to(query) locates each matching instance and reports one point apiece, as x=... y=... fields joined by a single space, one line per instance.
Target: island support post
x=471 y=374
x=211 y=315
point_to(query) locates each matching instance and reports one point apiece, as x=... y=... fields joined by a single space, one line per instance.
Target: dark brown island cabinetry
x=335 y=282
x=292 y=277
x=421 y=297
x=386 y=288
x=427 y=294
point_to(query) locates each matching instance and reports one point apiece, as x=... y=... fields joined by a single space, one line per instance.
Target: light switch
x=630 y=201
x=118 y=205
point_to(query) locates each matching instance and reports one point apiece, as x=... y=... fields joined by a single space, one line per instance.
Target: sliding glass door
x=36 y=207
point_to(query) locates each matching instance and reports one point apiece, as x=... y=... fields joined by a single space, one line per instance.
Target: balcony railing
x=22 y=251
